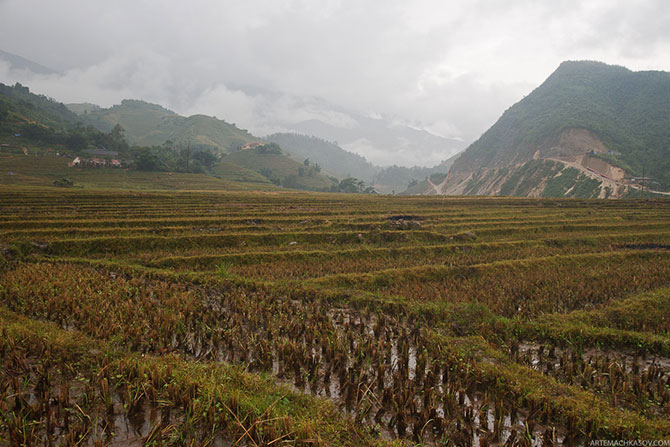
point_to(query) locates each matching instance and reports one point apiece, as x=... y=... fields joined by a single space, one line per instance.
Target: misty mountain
x=372 y=135
x=590 y=130
x=152 y=125
x=21 y=63
x=336 y=160
x=343 y=163
x=382 y=140
x=396 y=179
x=424 y=181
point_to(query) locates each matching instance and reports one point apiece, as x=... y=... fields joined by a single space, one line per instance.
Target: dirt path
x=607 y=182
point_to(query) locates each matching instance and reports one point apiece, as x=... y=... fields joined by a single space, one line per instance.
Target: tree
x=291 y=181
x=306 y=162
x=116 y=139
x=40 y=133
x=270 y=148
x=117 y=133
x=348 y=185
x=64 y=182
x=186 y=157
x=4 y=111
x=354 y=186
x=206 y=158
x=145 y=160
x=21 y=88
x=76 y=141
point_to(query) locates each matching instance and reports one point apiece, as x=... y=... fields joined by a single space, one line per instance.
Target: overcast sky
x=451 y=67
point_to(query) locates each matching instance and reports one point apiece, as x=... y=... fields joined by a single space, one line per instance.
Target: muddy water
x=67 y=412
x=624 y=378
x=355 y=387
x=627 y=360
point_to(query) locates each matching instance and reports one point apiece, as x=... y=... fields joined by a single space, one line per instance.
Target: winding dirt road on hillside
x=614 y=185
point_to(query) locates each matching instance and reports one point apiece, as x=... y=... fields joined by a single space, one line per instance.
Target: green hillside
x=40 y=136
x=35 y=170
x=282 y=170
x=18 y=103
x=152 y=125
x=628 y=111
x=37 y=124
x=232 y=172
x=399 y=178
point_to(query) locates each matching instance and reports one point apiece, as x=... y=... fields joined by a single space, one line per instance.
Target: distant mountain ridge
x=364 y=133
x=590 y=130
x=343 y=163
x=21 y=63
x=327 y=154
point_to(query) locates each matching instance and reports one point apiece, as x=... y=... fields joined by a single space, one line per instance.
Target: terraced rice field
x=318 y=319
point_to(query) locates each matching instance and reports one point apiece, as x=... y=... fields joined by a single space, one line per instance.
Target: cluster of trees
x=4 y=110
x=309 y=169
x=268 y=174
x=270 y=148
x=75 y=138
x=169 y=157
x=354 y=186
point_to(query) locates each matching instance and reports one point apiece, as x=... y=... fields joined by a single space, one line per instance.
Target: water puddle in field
x=72 y=409
x=376 y=369
x=624 y=378
x=538 y=356
x=128 y=429
x=377 y=372
x=650 y=246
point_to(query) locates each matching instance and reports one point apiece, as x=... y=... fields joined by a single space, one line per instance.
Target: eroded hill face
x=571 y=164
